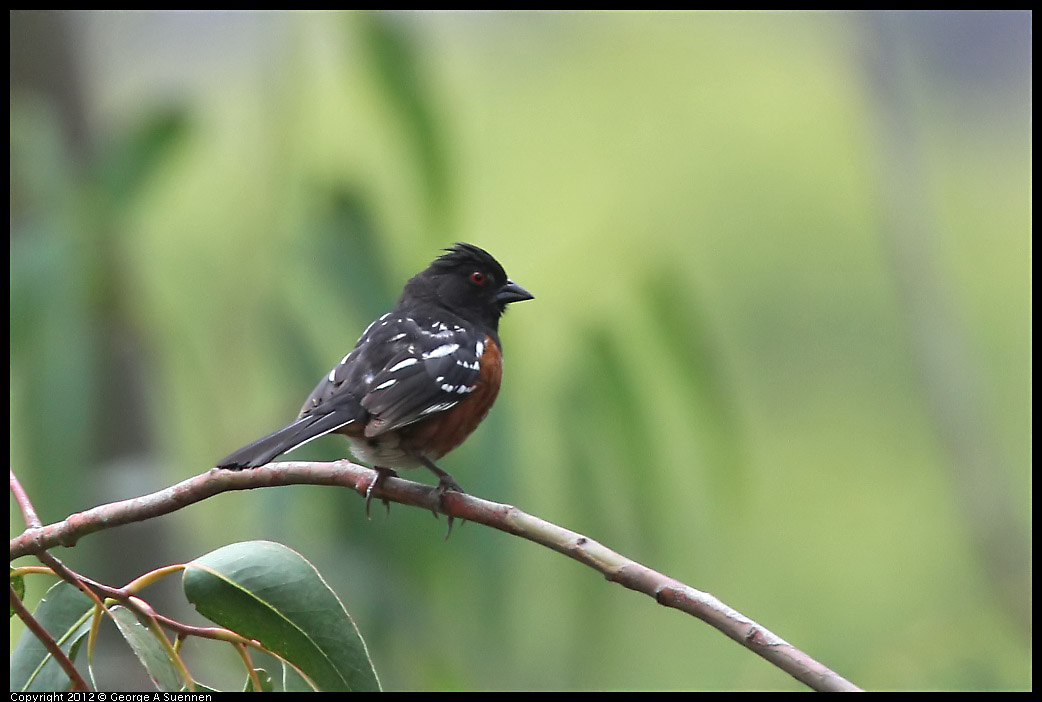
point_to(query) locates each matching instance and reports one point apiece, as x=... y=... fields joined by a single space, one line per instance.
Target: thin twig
x=127 y=597
x=615 y=567
x=28 y=512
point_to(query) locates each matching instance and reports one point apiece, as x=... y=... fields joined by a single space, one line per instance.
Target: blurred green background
x=780 y=348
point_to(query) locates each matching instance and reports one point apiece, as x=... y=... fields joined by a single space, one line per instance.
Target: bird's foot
x=381 y=475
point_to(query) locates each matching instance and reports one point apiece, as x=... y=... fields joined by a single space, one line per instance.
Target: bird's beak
x=512 y=292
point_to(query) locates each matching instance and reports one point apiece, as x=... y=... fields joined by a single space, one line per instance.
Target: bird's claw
x=445 y=484
x=381 y=474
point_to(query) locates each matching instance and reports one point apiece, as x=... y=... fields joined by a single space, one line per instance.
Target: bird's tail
x=284 y=440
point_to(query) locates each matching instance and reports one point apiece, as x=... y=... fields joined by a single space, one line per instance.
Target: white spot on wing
x=404 y=363
x=441 y=333
x=458 y=389
x=443 y=350
x=332 y=375
x=440 y=407
x=386 y=384
x=479 y=348
x=397 y=336
x=366 y=331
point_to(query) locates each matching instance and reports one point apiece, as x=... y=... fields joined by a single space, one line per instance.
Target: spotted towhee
x=420 y=379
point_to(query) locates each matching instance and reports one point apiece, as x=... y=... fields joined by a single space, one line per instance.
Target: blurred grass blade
x=702 y=375
x=399 y=69
x=152 y=654
x=128 y=163
x=65 y=613
x=270 y=593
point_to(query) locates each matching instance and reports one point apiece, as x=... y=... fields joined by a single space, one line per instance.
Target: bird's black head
x=469 y=283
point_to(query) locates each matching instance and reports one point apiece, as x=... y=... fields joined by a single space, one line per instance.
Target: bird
x=420 y=379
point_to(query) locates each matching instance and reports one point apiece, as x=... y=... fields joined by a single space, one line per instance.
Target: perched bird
x=420 y=379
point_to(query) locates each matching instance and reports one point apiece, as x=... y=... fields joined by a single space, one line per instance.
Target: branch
x=128 y=597
x=614 y=566
x=28 y=512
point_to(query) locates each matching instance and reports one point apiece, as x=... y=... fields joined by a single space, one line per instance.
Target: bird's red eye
x=478 y=278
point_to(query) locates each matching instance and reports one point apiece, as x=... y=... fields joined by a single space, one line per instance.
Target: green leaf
x=148 y=649
x=18 y=583
x=270 y=593
x=65 y=613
